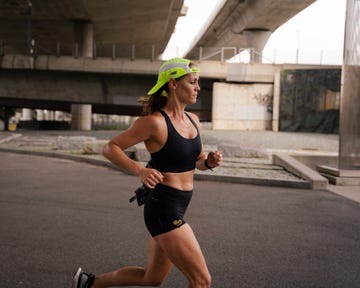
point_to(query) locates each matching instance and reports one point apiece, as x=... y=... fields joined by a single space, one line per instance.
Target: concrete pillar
x=40 y=115
x=51 y=115
x=256 y=39
x=26 y=114
x=46 y=115
x=84 y=37
x=350 y=93
x=348 y=170
x=80 y=117
x=59 y=116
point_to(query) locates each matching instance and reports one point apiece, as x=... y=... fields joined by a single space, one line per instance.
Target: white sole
x=76 y=278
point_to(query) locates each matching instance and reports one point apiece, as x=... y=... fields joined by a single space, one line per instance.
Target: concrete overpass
x=244 y=24
x=82 y=52
x=115 y=29
x=59 y=25
x=137 y=28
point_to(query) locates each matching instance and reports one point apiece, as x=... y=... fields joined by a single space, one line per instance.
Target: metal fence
x=132 y=51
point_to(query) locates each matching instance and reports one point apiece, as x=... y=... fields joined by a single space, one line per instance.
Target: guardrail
x=222 y=54
x=110 y=50
x=232 y=54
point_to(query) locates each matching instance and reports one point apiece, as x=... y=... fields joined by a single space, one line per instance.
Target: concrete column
x=51 y=115
x=80 y=117
x=26 y=114
x=59 y=116
x=256 y=39
x=40 y=115
x=84 y=37
x=349 y=152
x=348 y=170
x=46 y=115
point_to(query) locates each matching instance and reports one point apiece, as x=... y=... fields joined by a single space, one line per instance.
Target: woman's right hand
x=150 y=177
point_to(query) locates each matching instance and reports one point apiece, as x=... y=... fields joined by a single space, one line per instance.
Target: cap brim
x=156 y=88
x=181 y=72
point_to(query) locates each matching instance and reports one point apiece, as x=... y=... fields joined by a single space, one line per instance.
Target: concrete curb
x=209 y=176
x=294 y=166
x=9 y=138
x=254 y=181
x=61 y=155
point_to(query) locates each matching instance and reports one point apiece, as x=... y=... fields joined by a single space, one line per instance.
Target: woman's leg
x=184 y=251
x=154 y=274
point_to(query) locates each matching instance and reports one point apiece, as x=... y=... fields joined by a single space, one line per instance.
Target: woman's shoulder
x=150 y=121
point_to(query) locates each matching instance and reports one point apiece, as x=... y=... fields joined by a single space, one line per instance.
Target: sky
x=313 y=36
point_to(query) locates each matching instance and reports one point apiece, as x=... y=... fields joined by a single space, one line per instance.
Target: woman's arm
x=213 y=159
x=141 y=130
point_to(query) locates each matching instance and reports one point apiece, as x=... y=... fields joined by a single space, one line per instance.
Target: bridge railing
x=132 y=52
x=99 y=49
x=230 y=54
x=280 y=56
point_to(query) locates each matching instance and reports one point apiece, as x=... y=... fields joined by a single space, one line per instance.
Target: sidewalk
x=248 y=155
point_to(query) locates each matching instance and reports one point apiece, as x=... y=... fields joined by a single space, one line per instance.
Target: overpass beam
x=81 y=117
x=256 y=39
x=84 y=37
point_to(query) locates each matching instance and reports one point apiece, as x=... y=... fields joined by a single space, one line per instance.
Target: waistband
x=170 y=191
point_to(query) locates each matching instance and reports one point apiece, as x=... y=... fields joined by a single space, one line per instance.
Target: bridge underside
x=107 y=93
x=244 y=24
x=55 y=25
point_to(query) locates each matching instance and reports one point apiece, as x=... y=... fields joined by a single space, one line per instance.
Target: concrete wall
x=242 y=106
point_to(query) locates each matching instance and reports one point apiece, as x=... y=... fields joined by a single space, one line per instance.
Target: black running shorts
x=165 y=208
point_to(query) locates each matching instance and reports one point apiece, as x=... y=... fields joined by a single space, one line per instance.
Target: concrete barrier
x=296 y=167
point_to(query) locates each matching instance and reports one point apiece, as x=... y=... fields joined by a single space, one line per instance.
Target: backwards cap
x=173 y=68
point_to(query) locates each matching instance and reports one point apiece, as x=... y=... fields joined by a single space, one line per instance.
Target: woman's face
x=187 y=88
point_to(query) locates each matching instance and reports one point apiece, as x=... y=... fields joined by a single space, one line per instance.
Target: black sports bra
x=178 y=154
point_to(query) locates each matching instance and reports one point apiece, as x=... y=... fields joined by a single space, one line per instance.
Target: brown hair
x=155 y=102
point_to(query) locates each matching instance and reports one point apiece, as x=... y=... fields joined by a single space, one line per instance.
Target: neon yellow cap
x=173 y=68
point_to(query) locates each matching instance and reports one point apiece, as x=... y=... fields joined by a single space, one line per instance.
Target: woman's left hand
x=214 y=159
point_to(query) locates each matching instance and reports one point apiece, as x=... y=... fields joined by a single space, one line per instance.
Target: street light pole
x=298 y=46
x=30 y=48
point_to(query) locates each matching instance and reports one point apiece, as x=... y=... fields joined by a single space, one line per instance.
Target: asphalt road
x=58 y=214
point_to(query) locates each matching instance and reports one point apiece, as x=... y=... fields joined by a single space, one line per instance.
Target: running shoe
x=82 y=279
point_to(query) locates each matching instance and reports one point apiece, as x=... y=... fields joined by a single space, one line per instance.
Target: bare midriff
x=181 y=181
